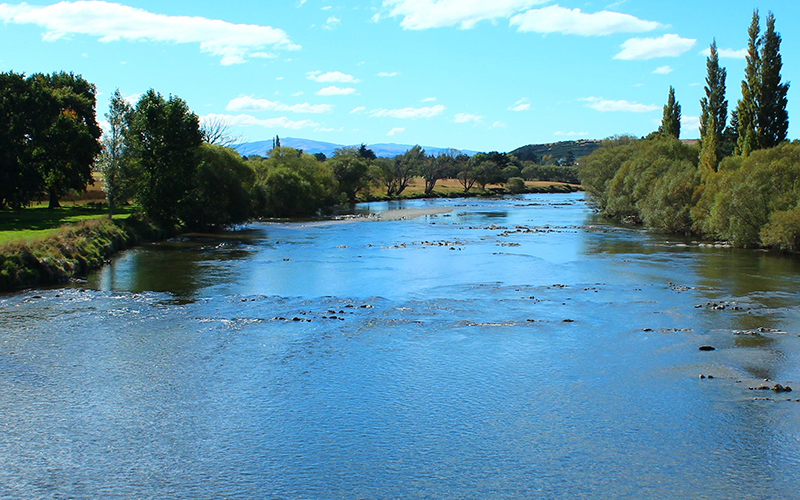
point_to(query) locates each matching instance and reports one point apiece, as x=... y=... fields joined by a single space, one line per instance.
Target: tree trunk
x=53 y=200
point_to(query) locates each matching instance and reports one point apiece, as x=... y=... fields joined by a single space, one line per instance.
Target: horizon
x=493 y=78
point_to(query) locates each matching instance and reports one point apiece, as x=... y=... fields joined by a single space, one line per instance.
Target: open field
x=451 y=187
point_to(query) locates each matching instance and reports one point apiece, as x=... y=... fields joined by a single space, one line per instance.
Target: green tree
x=747 y=107
x=114 y=158
x=220 y=194
x=714 y=112
x=773 y=119
x=19 y=125
x=66 y=151
x=291 y=184
x=164 y=136
x=671 y=119
x=350 y=171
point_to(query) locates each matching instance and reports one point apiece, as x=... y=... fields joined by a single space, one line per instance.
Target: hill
x=383 y=150
x=534 y=152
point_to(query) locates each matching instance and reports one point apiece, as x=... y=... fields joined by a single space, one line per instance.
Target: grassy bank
x=70 y=251
x=451 y=188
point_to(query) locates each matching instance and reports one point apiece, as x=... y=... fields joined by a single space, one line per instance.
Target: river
x=511 y=348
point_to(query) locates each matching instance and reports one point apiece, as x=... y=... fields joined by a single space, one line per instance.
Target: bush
x=516 y=185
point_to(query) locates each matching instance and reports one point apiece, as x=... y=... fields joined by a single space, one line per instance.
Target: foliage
x=671 y=119
x=115 y=159
x=750 y=197
x=350 y=171
x=714 y=112
x=556 y=150
x=516 y=184
x=600 y=167
x=163 y=137
x=773 y=119
x=48 y=136
x=291 y=184
x=220 y=195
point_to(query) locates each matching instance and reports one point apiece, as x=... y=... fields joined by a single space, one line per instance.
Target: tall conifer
x=773 y=119
x=671 y=120
x=714 y=111
x=747 y=108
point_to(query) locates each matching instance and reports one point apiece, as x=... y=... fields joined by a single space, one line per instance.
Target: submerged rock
x=707 y=348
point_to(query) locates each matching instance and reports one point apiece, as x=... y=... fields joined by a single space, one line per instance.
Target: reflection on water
x=512 y=348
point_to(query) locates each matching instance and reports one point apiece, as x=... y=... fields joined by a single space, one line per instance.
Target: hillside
x=534 y=152
x=384 y=150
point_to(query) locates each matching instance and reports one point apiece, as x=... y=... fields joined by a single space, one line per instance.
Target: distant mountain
x=534 y=152
x=327 y=148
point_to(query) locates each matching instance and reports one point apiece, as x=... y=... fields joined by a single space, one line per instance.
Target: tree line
x=738 y=184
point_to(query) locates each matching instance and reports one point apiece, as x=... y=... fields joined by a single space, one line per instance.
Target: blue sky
x=469 y=74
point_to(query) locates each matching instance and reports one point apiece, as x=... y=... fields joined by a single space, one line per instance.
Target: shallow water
x=513 y=348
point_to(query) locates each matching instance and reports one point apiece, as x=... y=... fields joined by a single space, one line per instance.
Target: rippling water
x=513 y=348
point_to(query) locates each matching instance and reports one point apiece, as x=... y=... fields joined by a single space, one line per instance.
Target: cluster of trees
x=739 y=184
x=48 y=136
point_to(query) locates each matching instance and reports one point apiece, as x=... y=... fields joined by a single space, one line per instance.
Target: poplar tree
x=747 y=108
x=114 y=158
x=714 y=111
x=773 y=119
x=671 y=121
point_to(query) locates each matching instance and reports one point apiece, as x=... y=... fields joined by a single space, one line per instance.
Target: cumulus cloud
x=498 y=125
x=395 y=131
x=358 y=109
x=111 y=22
x=244 y=120
x=333 y=90
x=648 y=48
x=331 y=77
x=662 y=70
x=425 y=112
x=331 y=23
x=571 y=134
x=385 y=74
x=726 y=53
x=466 y=118
x=605 y=105
x=556 y=19
x=248 y=103
x=690 y=122
x=521 y=105
x=425 y=14
x=429 y=99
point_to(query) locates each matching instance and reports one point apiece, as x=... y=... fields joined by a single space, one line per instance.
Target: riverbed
x=485 y=348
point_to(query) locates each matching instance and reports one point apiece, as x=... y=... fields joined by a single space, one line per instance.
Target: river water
x=512 y=348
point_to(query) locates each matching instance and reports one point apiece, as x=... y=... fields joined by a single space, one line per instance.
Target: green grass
x=38 y=222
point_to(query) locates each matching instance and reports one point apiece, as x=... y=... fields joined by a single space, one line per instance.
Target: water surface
x=512 y=348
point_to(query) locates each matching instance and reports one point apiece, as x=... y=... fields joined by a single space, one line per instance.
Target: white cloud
x=331 y=23
x=425 y=14
x=111 y=22
x=331 y=77
x=395 y=131
x=571 y=134
x=690 y=122
x=726 y=53
x=243 y=120
x=498 y=125
x=332 y=90
x=555 y=19
x=521 y=105
x=264 y=55
x=429 y=99
x=648 y=48
x=384 y=74
x=358 y=109
x=604 y=105
x=426 y=112
x=247 y=103
x=466 y=118
x=662 y=70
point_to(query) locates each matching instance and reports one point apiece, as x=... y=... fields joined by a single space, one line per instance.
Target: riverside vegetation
x=741 y=183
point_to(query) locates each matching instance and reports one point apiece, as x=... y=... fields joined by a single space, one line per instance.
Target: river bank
x=71 y=251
